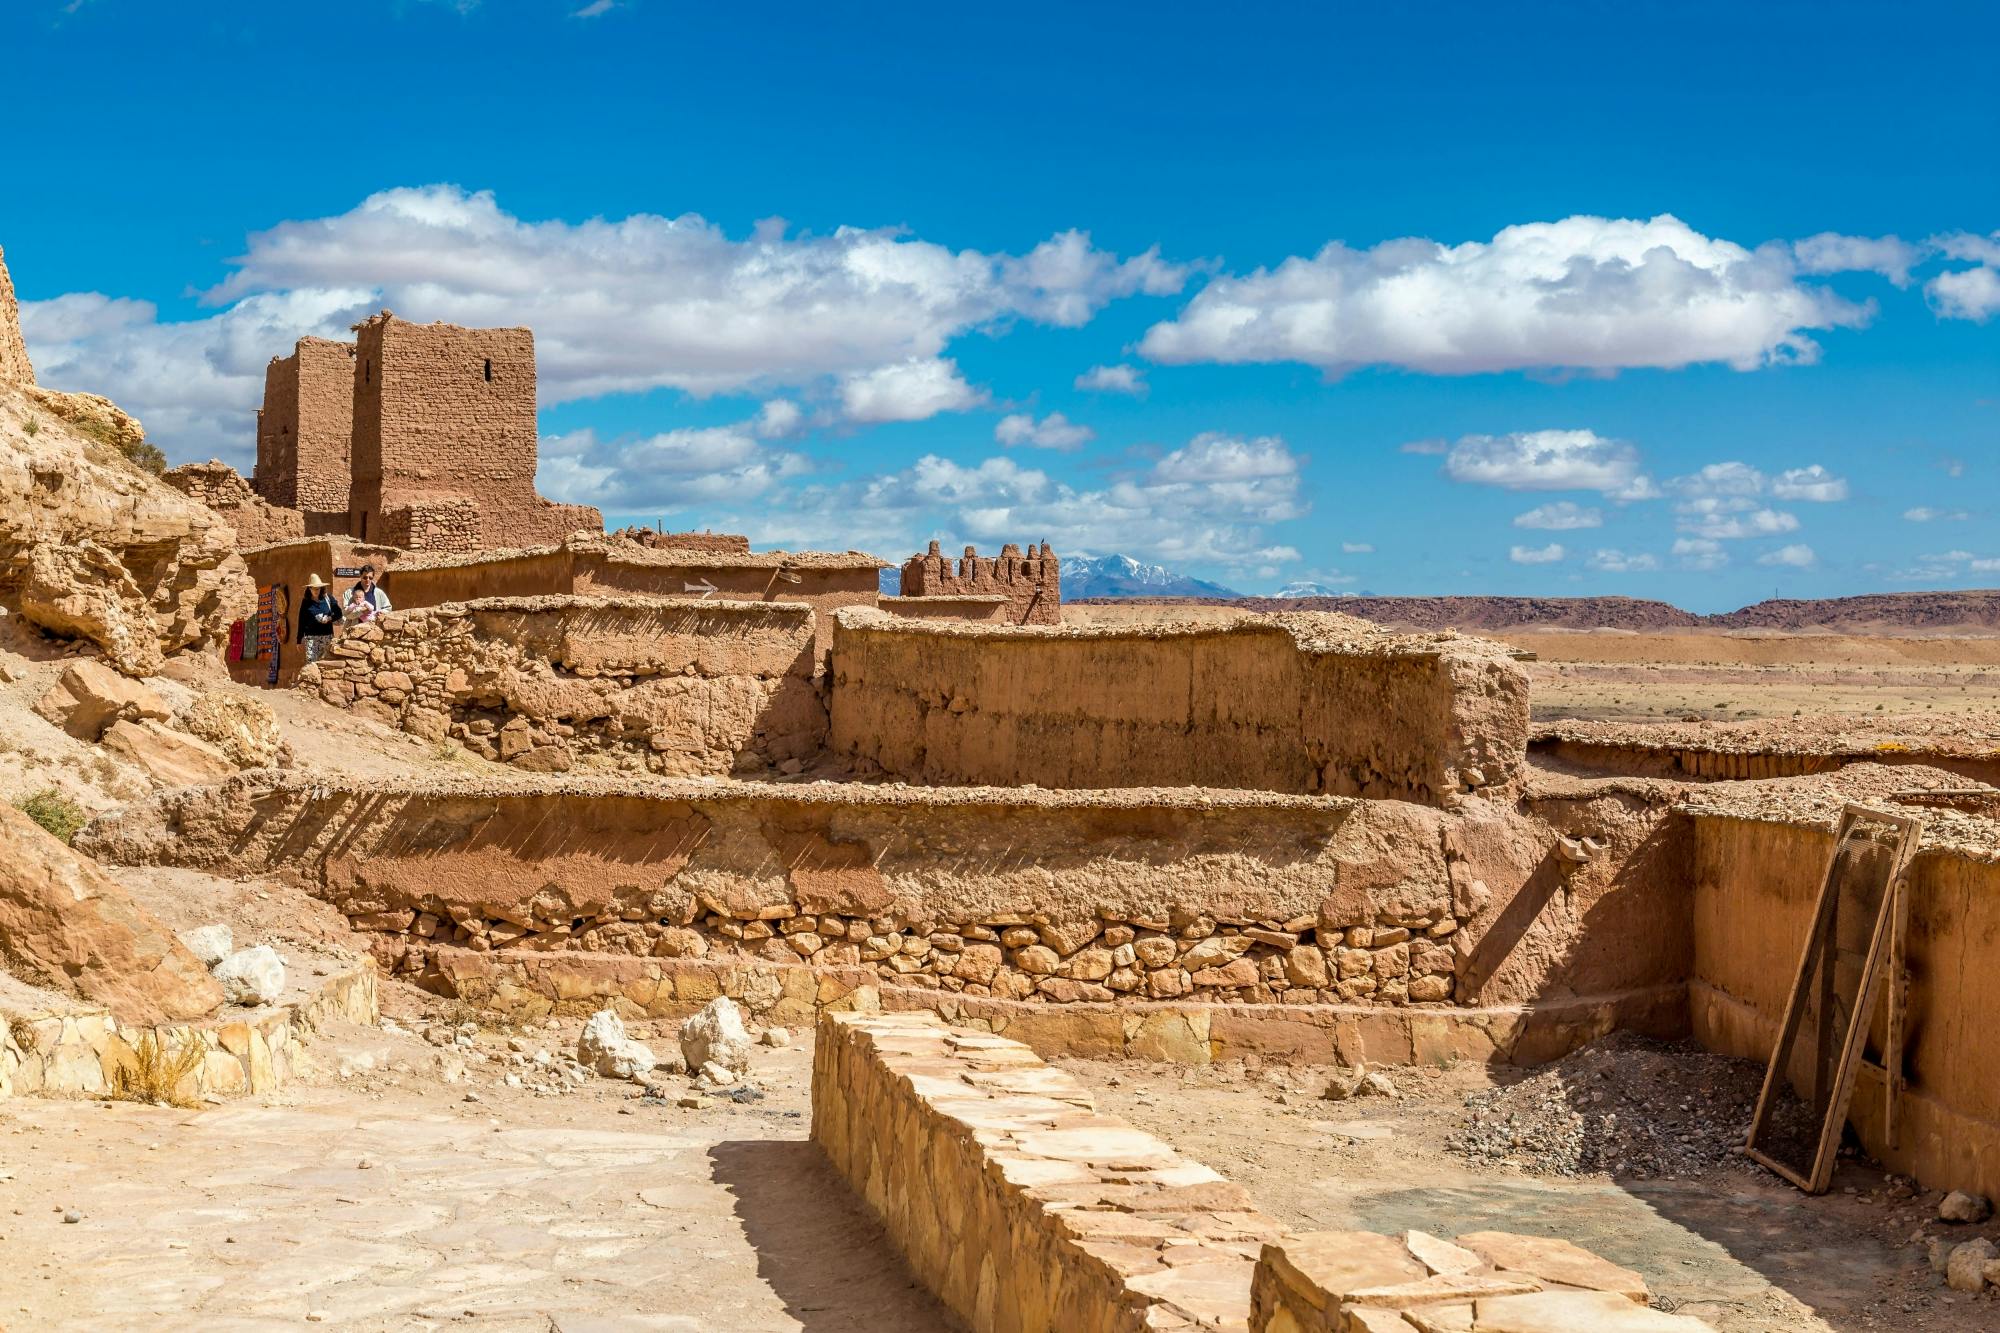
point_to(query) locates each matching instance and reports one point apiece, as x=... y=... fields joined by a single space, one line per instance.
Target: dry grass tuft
x=58 y=815
x=23 y=1033
x=156 y=1076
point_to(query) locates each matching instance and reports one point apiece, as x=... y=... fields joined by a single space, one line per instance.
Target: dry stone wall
x=256 y=521
x=544 y=683
x=1298 y=703
x=1016 y=1201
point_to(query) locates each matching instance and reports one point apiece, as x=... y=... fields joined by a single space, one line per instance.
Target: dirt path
x=391 y=1201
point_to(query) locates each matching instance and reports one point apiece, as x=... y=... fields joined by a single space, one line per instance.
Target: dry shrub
x=58 y=815
x=154 y=1075
x=23 y=1032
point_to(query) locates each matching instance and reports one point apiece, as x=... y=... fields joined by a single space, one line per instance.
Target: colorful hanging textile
x=235 y=650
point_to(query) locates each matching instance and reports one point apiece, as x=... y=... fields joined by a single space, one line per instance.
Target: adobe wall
x=217 y=485
x=1756 y=880
x=444 y=440
x=984 y=610
x=544 y=683
x=1297 y=703
x=824 y=581
x=1013 y=1199
x=732 y=543
x=1031 y=583
x=1186 y=924
x=304 y=430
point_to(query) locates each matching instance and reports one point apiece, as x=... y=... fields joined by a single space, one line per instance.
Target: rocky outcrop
x=14 y=365
x=65 y=924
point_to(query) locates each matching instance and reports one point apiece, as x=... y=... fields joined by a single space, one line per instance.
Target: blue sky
x=1689 y=301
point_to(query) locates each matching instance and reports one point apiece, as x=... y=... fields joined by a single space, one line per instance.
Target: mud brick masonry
x=419 y=436
x=1031 y=583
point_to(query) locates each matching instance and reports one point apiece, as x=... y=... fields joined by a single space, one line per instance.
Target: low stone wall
x=1756 y=880
x=636 y=683
x=973 y=607
x=1297 y=703
x=1016 y=1201
x=1485 y=1282
x=79 y=1054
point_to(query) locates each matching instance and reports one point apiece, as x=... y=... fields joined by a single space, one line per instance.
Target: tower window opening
x=489 y=372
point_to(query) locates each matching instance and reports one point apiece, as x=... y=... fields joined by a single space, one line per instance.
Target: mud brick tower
x=303 y=433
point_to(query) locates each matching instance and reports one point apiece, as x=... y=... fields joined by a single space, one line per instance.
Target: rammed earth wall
x=1298 y=703
x=637 y=683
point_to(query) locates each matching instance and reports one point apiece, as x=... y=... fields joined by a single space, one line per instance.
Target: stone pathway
x=393 y=1203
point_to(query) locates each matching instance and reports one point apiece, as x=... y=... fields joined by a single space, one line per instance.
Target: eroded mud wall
x=1755 y=886
x=1278 y=705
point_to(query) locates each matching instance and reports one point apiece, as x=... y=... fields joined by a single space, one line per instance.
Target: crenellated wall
x=1298 y=703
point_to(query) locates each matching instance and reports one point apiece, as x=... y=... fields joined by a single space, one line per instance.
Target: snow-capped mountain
x=1122 y=576
x=1309 y=589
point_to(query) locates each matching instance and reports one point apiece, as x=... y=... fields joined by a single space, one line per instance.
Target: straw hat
x=315 y=582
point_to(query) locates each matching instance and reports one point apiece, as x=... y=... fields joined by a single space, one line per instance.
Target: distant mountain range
x=1122 y=576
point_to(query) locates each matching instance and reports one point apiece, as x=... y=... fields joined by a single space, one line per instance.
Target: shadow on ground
x=818 y=1247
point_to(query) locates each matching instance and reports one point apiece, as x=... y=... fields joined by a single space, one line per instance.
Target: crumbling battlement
x=711 y=542
x=1016 y=1201
x=637 y=683
x=218 y=485
x=1031 y=583
x=1299 y=703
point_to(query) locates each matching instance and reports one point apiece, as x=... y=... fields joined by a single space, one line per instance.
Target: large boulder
x=90 y=696
x=252 y=976
x=241 y=727
x=67 y=925
x=604 y=1048
x=93 y=546
x=172 y=758
x=717 y=1035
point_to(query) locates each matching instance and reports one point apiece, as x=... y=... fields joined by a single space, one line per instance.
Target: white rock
x=1966 y=1269
x=1958 y=1206
x=252 y=976
x=775 y=1037
x=716 y=1035
x=211 y=944
x=715 y=1074
x=604 y=1047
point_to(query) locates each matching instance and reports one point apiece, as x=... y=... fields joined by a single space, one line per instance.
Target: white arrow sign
x=705 y=588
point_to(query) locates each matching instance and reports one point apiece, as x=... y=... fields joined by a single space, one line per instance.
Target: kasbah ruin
x=633 y=930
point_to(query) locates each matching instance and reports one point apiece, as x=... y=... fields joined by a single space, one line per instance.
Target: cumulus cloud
x=1830 y=252
x=1967 y=293
x=1926 y=514
x=913 y=390
x=1700 y=553
x=1728 y=519
x=1561 y=516
x=1114 y=379
x=1612 y=561
x=1797 y=556
x=1206 y=502
x=1535 y=555
x=1812 y=483
x=1584 y=293
x=617 y=305
x=1546 y=460
x=1054 y=431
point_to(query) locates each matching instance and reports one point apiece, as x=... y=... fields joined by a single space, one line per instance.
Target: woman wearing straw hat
x=318 y=614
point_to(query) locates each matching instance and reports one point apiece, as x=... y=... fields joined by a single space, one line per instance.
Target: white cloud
x=595 y=9
x=1618 y=562
x=617 y=305
x=1729 y=518
x=779 y=419
x=913 y=390
x=1967 y=293
x=1114 y=379
x=1830 y=252
x=1536 y=555
x=1812 y=483
x=1797 y=556
x=1545 y=460
x=1054 y=431
x=1425 y=447
x=1584 y=293
x=1926 y=514
x=1202 y=504
x=1700 y=553
x=667 y=471
x=1358 y=548
x=1561 y=516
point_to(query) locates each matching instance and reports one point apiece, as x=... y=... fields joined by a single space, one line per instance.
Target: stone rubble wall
x=1298 y=703
x=712 y=543
x=1484 y=1282
x=544 y=683
x=218 y=485
x=1013 y=1199
x=80 y=1054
